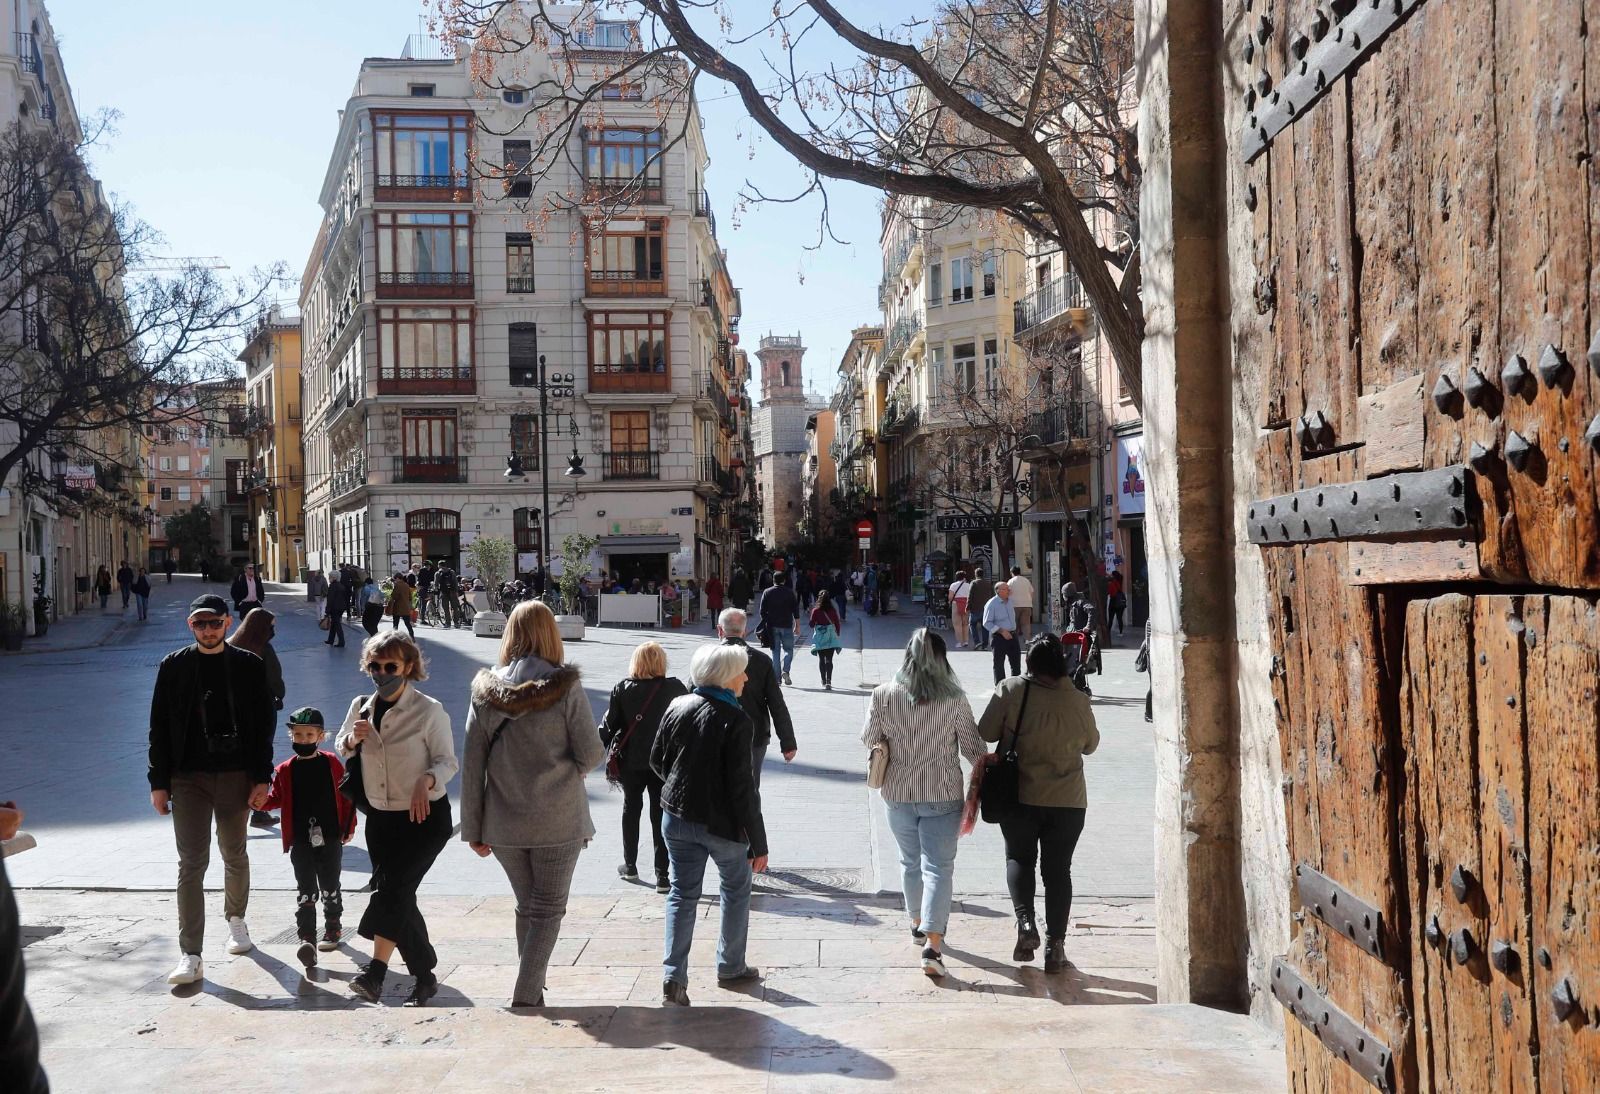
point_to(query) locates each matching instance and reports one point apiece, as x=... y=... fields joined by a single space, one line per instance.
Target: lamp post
x=559 y=385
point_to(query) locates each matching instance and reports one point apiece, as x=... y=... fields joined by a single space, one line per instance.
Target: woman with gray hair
x=922 y=716
x=711 y=811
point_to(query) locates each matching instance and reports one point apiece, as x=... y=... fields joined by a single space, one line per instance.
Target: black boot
x=1027 y=938
x=368 y=983
x=1055 y=955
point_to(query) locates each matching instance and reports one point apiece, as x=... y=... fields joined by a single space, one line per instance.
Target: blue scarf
x=718 y=693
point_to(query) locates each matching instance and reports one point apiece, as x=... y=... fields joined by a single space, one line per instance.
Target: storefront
x=1125 y=547
x=644 y=558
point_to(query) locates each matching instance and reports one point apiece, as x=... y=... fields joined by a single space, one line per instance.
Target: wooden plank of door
x=1280 y=393
x=1449 y=1003
x=1545 y=212
x=1381 y=122
x=1501 y=897
x=1564 y=808
x=1453 y=217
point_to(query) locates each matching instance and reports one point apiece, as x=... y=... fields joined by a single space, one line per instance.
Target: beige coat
x=415 y=739
x=1058 y=731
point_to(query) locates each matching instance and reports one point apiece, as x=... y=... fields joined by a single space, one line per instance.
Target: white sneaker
x=188 y=971
x=239 y=936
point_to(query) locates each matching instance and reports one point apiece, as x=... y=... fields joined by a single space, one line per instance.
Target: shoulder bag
x=998 y=798
x=878 y=765
x=351 y=785
x=620 y=742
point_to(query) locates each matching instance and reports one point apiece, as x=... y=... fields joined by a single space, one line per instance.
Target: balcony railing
x=445 y=380
x=346 y=479
x=430 y=469
x=1046 y=303
x=900 y=336
x=639 y=189
x=700 y=209
x=256 y=419
x=519 y=284
x=630 y=465
x=713 y=474
x=708 y=299
x=627 y=378
x=1058 y=425
x=425 y=285
x=627 y=282
x=453 y=187
x=28 y=53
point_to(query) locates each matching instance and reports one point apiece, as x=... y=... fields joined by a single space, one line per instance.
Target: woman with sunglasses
x=407 y=757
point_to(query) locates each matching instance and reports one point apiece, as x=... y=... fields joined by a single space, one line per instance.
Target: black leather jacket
x=174 y=698
x=628 y=699
x=702 y=755
x=762 y=699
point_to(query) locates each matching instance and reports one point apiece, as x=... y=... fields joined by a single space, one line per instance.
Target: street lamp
x=559 y=385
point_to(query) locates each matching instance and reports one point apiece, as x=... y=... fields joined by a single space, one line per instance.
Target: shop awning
x=639 y=545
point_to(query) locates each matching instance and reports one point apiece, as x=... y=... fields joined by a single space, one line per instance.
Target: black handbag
x=997 y=798
x=351 y=785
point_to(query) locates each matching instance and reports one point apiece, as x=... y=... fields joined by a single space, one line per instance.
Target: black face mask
x=307 y=750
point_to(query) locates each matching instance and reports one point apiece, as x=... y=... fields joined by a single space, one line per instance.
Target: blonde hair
x=410 y=652
x=649 y=661
x=532 y=630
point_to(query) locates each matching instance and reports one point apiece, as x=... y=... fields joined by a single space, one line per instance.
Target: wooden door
x=1421 y=185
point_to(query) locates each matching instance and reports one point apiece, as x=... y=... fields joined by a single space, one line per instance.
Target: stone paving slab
x=842 y=1003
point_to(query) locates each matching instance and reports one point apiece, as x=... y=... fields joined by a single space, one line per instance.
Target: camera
x=223 y=743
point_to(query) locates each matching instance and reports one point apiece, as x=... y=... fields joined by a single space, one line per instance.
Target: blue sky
x=229 y=111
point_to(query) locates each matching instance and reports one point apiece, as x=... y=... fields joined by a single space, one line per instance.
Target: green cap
x=306 y=716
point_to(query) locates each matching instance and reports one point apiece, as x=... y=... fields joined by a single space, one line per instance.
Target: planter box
x=489 y=624
x=571 y=627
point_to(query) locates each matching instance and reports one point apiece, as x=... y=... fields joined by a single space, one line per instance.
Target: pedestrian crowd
x=687 y=754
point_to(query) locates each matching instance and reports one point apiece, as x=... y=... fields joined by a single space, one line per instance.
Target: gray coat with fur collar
x=525 y=788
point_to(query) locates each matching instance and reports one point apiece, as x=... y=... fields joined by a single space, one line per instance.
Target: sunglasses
x=208 y=624
x=390 y=667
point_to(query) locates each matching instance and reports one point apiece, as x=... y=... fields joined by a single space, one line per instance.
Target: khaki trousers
x=198 y=799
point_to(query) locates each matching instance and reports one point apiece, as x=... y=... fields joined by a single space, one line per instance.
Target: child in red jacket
x=317 y=822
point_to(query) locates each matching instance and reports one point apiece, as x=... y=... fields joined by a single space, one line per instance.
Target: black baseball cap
x=307 y=716
x=210 y=603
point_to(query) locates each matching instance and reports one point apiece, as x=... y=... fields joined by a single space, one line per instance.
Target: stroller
x=1083 y=657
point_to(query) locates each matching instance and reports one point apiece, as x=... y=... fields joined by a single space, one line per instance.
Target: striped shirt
x=926 y=744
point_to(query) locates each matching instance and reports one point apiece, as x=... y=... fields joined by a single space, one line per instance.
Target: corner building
x=440 y=277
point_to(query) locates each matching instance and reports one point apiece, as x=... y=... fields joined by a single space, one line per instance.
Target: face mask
x=306 y=750
x=388 y=685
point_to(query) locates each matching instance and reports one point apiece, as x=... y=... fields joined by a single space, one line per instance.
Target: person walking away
x=424 y=591
x=210 y=762
x=205 y=569
x=825 y=624
x=712 y=811
x=739 y=589
x=407 y=757
x=372 y=601
x=255 y=635
x=102 y=586
x=169 y=567
x=1022 y=603
x=530 y=741
x=141 y=594
x=628 y=730
x=1142 y=664
x=780 y=613
x=873 y=595
x=125 y=582
x=857 y=584
x=338 y=603
x=445 y=581
x=804 y=588
x=401 y=600
x=923 y=718
x=1051 y=727
x=762 y=698
x=247 y=592
x=316 y=590
x=1116 y=602
x=977 y=600
x=1000 y=621
x=713 y=590
x=839 y=587
x=317 y=822
x=960 y=592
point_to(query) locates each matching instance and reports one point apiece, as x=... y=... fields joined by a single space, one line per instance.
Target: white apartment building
x=434 y=290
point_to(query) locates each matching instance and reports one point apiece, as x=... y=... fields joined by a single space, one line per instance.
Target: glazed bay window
x=991 y=367
x=965 y=380
x=629 y=456
x=990 y=279
x=960 y=279
x=519 y=262
x=422 y=156
x=627 y=258
x=428 y=447
x=425 y=351
x=427 y=255
x=624 y=161
x=628 y=351
x=525 y=440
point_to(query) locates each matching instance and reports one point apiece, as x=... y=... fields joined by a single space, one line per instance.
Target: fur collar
x=534 y=695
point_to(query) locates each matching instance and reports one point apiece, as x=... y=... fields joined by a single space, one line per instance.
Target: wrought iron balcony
x=900 y=336
x=1057 y=426
x=708 y=299
x=700 y=209
x=1046 y=303
x=635 y=189
x=256 y=419
x=346 y=479
x=422 y=182
x=630 y=465
x=444 y=469
x=425 y=285
x=443 y=380
x=519 y=284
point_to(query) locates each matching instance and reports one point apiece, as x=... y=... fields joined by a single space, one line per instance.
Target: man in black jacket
x=762 y=698
x=210 y=762
x=247 y=592
x=780 y=611
x=338 y=603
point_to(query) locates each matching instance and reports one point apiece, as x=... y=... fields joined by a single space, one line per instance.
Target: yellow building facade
x=274 y=478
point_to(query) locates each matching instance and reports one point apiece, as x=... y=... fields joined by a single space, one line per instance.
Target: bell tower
x=781 y=379
x=779 y=437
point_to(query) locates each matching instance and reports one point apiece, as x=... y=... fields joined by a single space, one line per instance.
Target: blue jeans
x=782 y=637
x=927 y=834
x=688 y=847
x=980 y=636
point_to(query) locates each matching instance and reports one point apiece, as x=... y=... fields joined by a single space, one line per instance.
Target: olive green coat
x=1058 y=731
